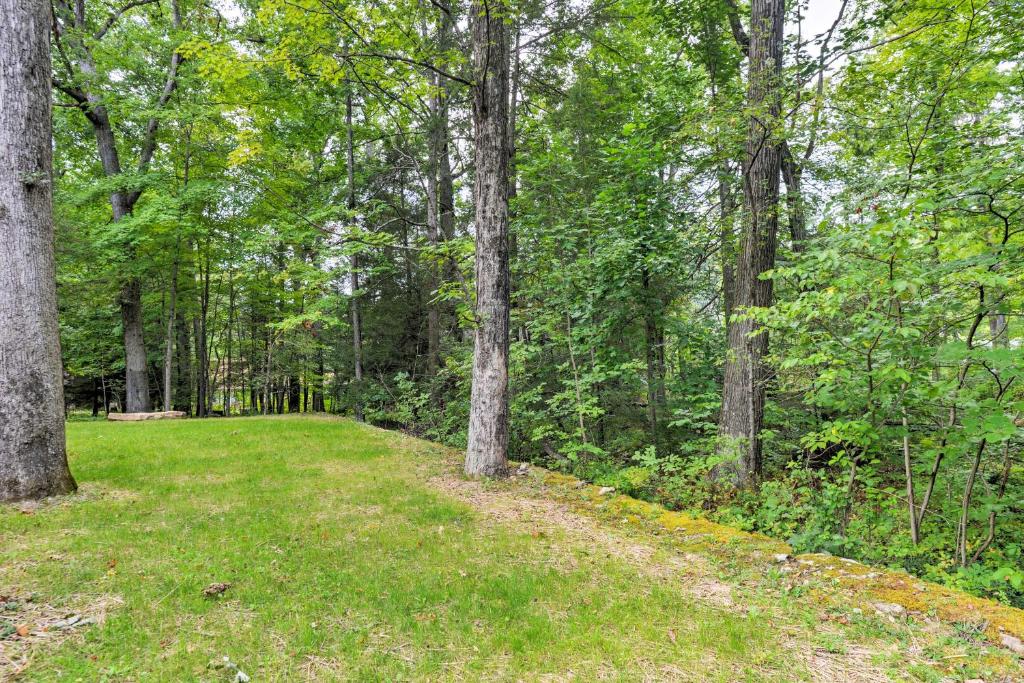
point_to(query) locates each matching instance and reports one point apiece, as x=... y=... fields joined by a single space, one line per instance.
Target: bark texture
x=487 y=452
x=743 y=391
x=33 y=463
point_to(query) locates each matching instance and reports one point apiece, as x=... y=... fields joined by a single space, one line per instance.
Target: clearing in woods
x=310 y=548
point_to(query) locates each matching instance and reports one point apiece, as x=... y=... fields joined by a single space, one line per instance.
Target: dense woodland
x=761 y=261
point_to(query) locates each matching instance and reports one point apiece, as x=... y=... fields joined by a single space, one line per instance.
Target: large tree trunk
x=33 y=463
x=136 y=382
x=743 y=391
x=487 y=451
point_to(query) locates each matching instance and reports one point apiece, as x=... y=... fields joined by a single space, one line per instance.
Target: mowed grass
x=344 y=564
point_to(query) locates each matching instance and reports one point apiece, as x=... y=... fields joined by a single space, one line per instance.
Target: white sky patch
x=816 y=18
x=231 y=11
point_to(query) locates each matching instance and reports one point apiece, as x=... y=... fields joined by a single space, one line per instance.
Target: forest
x=760 y=262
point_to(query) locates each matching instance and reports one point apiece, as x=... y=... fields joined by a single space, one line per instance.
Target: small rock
x=226 y=663
x=782 y=558
x=605 y=490
x=1012 y=643
x=890 y=609
x=69 y=622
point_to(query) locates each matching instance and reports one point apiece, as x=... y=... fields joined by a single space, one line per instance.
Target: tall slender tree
x=357 y=329
x=487 y=452
x=33 y=462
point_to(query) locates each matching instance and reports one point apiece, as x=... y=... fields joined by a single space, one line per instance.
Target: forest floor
x=313 y=548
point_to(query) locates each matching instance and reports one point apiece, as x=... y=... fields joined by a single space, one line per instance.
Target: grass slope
x=346 y=562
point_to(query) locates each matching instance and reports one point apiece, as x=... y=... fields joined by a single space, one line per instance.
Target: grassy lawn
x=358 y=554
x=344 y=564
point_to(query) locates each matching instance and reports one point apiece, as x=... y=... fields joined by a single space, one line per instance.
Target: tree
x=33 y=462
x=487 y=450
x=743 y=389
x=76 y=32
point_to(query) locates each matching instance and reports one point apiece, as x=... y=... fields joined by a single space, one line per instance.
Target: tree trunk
x=228 y=389
x=33 y=462
x=202 y=366
x=743 y=391
x=136 y=383
x=293 y=394
x=169 y=339
x=435 y=149
x=792 y=174
x=183 y=388
x=357 y=332
x=727 y=210
x=651 y=340
x=487 y=451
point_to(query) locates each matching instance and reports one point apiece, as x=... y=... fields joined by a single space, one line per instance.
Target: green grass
x=344 y=564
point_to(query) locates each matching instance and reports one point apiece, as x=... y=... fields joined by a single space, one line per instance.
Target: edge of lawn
x=833 y=580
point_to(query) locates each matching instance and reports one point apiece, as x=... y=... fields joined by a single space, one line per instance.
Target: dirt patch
x=87 y=492
x=851 y=666
x=30 y=624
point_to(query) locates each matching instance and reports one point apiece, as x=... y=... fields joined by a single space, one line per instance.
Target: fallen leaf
x=22 y=630
x=215 y=589
x=672 y=636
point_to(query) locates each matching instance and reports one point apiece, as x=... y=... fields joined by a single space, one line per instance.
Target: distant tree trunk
x=487 y=450
x=202 y=366
x=434 y=225
x=357 y=332
x=183 y=390
x=33 y=462
x=293 y=394
x=743 y=390
x=201 y=332
x=169 y=338
x=231 y=322
x=792 y=174
x=654 y=374
x=265 y=407
x=318 y=391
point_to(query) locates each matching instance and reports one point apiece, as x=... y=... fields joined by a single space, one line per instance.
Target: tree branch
x=112 y=19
